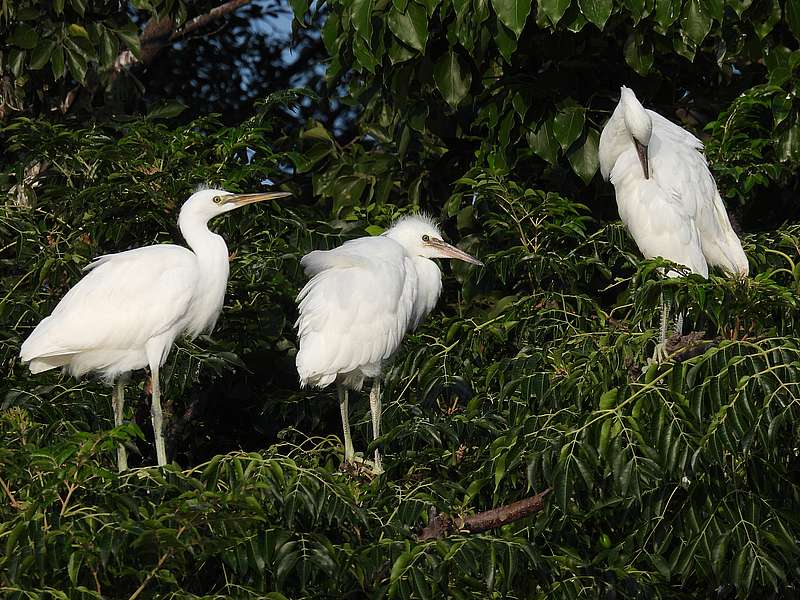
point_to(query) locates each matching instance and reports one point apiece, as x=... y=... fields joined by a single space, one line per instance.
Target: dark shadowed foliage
x=678 y=480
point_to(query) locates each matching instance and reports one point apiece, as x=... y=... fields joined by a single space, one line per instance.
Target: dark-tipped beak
x=445 y=250
x=641 y=150
x=242 y=199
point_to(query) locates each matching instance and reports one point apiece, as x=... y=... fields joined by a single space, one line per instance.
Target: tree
x=672 y=480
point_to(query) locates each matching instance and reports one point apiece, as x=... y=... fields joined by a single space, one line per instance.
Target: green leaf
x=636 y=8
x=793 y=17
x=364 y=55
x=129 y=36
x=330 y=34
x=638 y=53
x=166 y=110
x=41 y=56
x=299 y=8
x=596 y=11
x=719 y=554
x=77 y=65
x=57 y=64
x=16 y=61
x=361 y=18
x=695 y=21
x=513 y=13
x=568 y=123
x=398 y=568
x=789 y=144
x=23 y=36
x=584 y=159
x=108 y=48
x=544 y=143
x=79 y=6
x=399 y=53
x=763 y=27
x=410 y=27
x=76 y=30
x=715 y=8
x=453 y=78
x=506 y=42
x=667 y=11
x=739 y=5
x=430 y=5
x=609 y=398
x=554 y=9
x=74 y=567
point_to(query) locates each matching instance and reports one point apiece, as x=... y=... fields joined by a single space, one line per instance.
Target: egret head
x=638 y=123
x=207 y=204
x=420 y=236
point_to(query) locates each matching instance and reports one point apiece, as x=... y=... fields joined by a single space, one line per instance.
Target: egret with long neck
x=666 y=195
x=126 y=313
x=362 y=298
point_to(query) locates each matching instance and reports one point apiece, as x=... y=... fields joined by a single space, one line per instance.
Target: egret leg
x=679 y=324
x=349 y=453
x=660 y=352
x=118 y=403
x=375 y=408
x=157 y=416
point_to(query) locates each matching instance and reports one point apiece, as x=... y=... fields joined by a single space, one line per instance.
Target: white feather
x=677 y=213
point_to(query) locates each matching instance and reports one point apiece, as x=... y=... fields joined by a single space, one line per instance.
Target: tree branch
x=203 y=20
x=440 y=526
x=160 y=33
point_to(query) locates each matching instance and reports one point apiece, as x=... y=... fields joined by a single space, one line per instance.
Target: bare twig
x=160 y=563
x=13 y=501
x=440 y=526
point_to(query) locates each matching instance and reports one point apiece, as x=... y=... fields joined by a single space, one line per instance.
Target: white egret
x=666 y=195
x=128 y=310
x=363 y=297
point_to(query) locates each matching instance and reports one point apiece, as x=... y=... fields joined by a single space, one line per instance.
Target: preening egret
x=127 y=311
x=363 y=297
x=666 y=195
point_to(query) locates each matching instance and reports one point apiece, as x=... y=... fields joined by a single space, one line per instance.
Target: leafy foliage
x=674 y=480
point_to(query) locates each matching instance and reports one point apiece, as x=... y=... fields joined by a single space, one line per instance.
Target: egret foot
x=660 y=354
x=361 y=467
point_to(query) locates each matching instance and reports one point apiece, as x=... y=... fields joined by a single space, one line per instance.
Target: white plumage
x=665 y=192
x=128 y=310
x=362 y=298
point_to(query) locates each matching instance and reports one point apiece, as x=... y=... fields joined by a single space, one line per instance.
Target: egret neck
x=212 y=259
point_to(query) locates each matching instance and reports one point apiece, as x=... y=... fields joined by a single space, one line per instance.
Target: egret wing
x=124 y=300
x=356 y=308
x=682 y=170
x=656 y=217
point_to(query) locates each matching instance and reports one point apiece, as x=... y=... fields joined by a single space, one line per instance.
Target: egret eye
x=217 y=199
x=426 y=238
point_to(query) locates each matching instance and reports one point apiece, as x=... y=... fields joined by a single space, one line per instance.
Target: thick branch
x=203 y=20
x=440 y=526
x=159 y=33
x=684 y=347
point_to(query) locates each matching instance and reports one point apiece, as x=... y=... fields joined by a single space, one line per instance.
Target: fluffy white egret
x=128 y=310
x=666 y=195
x=363 y=297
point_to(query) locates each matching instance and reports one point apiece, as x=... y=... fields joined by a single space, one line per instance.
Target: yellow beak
x=445 y=250
x=242 y=199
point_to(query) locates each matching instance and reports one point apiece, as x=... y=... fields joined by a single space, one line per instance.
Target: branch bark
x=160 y=33
x=440 y=526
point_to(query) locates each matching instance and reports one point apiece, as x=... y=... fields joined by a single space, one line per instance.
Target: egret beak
x=445 y=250
x=641 y=150
x=243 y=199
